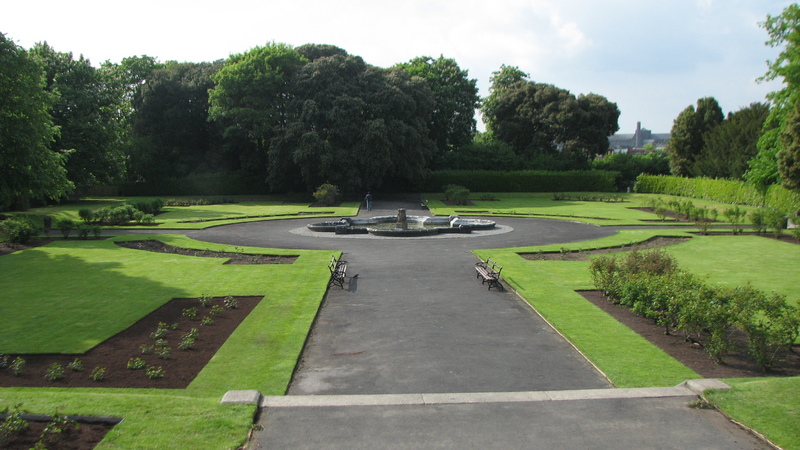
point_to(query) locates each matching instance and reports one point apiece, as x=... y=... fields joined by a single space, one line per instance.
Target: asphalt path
x=417 y=320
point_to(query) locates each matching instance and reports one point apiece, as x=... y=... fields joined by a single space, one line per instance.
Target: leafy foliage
x=17 y=230
x=789 y=154
x=536 y=118
x=686 y=136
x=452 y=122
x=327 y=194
x=457 y=194
x=652 y=285
x=725 y=191
x=631 y=166
x=353 y=125
x=86 y=113
x=525 y=181
x=31 y=171
x=729 y=146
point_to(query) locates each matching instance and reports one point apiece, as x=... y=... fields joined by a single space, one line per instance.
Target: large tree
x=456 y=97
x=171 y=129
x=783 y=31
x=688 y=129
x=501 y=81
x=87 y=115
x=250 y=102
x=31 y=171
x=541 y=119
x=789 y=155
x=353 y=125
x=729 y=146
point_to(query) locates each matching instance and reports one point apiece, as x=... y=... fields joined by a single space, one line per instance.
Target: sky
x=653 y=58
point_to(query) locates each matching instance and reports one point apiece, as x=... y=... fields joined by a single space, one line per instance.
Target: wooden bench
x=338 y=270
x=489 y=272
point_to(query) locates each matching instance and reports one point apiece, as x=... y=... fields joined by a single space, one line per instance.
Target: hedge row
x=525 y=181
x=203 y=184
x=725 y=191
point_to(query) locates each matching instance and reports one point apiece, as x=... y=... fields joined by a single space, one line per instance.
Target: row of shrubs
x=525 y=181
x=760 y=219
x=652 y=284
x=724 y=191
x=141 y=211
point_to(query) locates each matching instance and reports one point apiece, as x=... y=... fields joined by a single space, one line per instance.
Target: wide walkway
x=416 y=322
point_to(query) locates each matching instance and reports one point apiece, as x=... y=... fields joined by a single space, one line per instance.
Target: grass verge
x=621 y=211
x=98 y=287
x=769 y=405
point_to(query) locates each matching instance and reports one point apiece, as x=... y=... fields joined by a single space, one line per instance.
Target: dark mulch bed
x=85 y=437
x=233 y=257
x=114 y=353
x=737 y=365
x=6 y=248
x=655 y=242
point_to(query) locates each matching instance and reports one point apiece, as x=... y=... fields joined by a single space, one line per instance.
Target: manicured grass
x=543 y=205
x=184 y=217
x=625 y=357
x=70 y=295
x=74 y=277
x=769 y=405
x=153 y=419
x=247 y=209
x=98 y=287
x=767 y=264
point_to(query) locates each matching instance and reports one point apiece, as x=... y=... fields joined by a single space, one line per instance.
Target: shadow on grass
x=52 y=302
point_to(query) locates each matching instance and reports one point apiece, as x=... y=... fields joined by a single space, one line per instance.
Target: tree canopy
x=352 y=125
x=173 y=135
x=455 y=95
x=729 y=146
x=688 y=130
x=31 y=171
x=542 y=119
x=86 y=112
x=278 y=118
x=783 y=31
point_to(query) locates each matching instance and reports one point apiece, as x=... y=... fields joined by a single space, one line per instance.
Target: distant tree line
x=759 y=143
x=282 y=118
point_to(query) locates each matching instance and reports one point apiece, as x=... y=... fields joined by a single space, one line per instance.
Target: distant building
x=634 y=143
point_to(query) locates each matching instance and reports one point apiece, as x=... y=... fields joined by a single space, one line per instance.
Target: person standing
x=368 y=200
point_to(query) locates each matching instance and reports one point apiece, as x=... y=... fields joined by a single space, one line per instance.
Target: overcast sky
x=652 y=57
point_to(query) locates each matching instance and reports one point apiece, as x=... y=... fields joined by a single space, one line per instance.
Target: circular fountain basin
x=413 y=226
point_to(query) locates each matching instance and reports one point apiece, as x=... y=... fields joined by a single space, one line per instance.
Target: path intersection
x=416 y=353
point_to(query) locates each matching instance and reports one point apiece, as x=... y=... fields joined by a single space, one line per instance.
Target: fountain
x=402 y=225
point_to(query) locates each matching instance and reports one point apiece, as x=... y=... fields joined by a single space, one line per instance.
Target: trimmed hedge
x=725 y=191
x=525 y=181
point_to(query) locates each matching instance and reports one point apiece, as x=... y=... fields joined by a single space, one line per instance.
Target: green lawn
x=246 y=209
x=769 y=405
x=549 y=286
x=69 y=295
x=621 y=211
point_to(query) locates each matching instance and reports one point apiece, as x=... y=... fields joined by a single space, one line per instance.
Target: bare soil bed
x=114 y=353
x=655 y=242
x=233 y=257
x=737 y=365
x=85 y=437
x=6 y=248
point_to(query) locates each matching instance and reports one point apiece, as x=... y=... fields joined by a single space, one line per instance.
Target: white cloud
x=652 y=58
